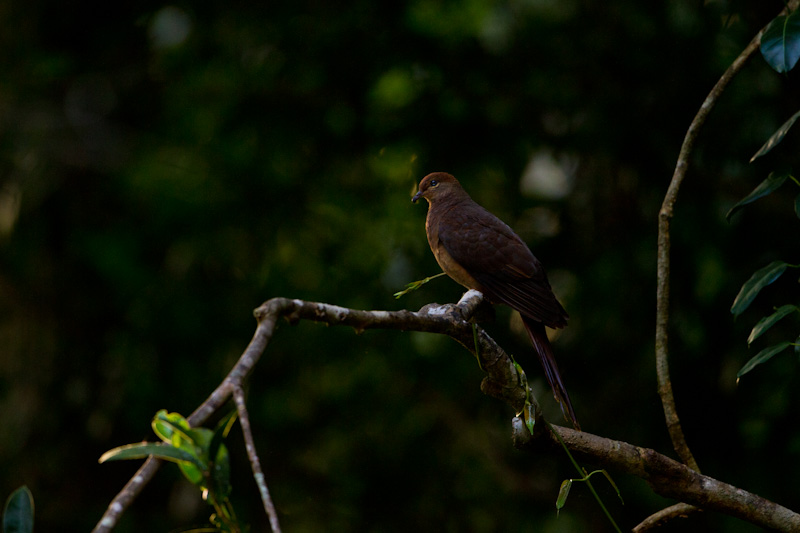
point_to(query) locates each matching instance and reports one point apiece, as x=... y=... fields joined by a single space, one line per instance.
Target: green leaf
x=221 y=474
x=193 y=473
x=761 y=357
x=797 y=205
x=776 y=137
x=530 y=416
x=220 y=466
x=608 y=477
x=768 y=321
x=156 y=449
x=227 y=423
x=753 y=286
x=18 y=512
x=563 y=492
x=780 y=43
x=773 y=181
x=169 y=426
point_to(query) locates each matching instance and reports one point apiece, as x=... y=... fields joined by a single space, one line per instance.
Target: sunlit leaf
x=768 y=321
x=169 y=425
x=780 y=43
x=227 y=423
x=757 y=281
x=146 y=449
x=761 y=357
x=193 y=473
x=776 y=137
x=773 y=181
x=18 y=512
x=563 y=492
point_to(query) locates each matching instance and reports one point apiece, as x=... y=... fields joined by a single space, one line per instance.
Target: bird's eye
x=434 y=183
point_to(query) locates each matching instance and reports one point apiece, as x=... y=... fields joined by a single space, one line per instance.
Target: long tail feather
x=544 y=350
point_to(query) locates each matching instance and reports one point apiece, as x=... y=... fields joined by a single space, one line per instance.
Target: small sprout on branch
x=414 y=285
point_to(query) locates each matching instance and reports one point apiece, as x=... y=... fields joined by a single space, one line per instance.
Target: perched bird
x=481 y=252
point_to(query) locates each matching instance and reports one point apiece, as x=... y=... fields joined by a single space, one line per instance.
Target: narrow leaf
x=227 y=423
x=563 y=492
x=18 y=512
x=530 y=417
x=780 y=43
x=772 y=182
x=768 y=321
x=219 y=459
x=145 y=449
x=761 y=357
x=608 y=477
x=221 y=474
x=753 y=286
x=797 y=206
x=776 y=137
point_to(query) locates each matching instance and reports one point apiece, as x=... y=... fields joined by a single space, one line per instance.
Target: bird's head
x=438 y=185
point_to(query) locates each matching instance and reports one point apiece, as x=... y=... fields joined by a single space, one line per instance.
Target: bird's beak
x=416 y=197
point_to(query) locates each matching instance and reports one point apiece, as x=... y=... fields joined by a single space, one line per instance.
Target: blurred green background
x=165 y=168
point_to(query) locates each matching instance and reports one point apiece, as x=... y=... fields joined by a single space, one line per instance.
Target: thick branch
x=663 y=268
x=666 y=477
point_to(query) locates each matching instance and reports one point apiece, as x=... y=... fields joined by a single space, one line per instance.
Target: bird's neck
x=451 y=200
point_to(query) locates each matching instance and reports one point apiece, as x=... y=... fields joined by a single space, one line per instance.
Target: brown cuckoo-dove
x=481 y=252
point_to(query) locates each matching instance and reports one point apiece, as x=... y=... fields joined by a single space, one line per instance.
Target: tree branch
x=255 y=462
x=667 y=477
x=663 y=268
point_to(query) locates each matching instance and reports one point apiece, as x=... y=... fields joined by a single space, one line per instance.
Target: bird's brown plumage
x=481 y=252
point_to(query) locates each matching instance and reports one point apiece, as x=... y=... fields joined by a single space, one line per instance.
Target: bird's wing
x=501 y=262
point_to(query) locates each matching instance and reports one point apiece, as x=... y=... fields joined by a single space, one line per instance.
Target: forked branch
x=502 y=381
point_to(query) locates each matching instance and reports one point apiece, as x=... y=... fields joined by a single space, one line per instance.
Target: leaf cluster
x=201 y=455
x=780 y=47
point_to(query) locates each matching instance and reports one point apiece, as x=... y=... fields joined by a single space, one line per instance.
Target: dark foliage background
x=166 y=168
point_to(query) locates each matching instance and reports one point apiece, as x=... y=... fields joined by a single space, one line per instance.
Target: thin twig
x=666 y=516
x=127 y=495
x=255 y=462
x=663 y=268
